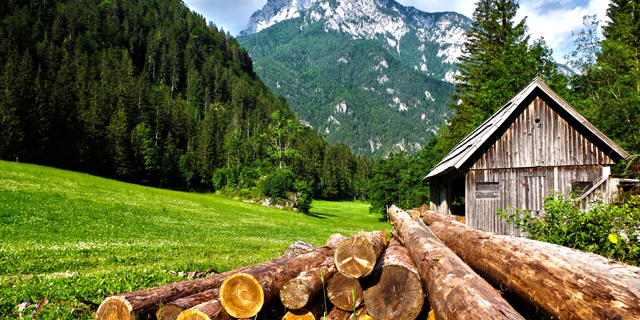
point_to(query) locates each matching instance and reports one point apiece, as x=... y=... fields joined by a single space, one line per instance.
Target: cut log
x=561 y=282
x=296 y=293
x=455 y=291
x=393 y=291
x=143 y=303
x=334 y=240
x=357 y=255
x=210 y=310
x=244 y=295
x=313 y=311
x=341 y=290
x=361 y=314
x=337 y=314
x=173 y=309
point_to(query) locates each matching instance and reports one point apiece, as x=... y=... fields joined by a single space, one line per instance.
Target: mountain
x=148 y=92
x=371 y=73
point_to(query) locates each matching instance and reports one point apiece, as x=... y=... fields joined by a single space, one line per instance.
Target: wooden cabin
x=535 y=144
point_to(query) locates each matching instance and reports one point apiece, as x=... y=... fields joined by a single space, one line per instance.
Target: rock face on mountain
x=337 y=60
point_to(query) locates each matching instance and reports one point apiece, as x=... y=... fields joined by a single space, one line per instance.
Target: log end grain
x=115 y=308
x=168 y=312
x=294 y=295
x=299 y=314
x=393 y=293
x=341 y=290
x=241 y=296
x=355 y=256
x=192 y=314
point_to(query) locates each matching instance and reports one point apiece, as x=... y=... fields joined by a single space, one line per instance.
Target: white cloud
x=555 y=19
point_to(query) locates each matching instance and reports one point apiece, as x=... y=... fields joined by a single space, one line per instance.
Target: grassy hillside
x=67 y=234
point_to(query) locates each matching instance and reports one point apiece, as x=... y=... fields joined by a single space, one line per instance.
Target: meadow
x=69 y=236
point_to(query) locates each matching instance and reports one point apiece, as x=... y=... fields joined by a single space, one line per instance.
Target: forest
x=148 y=92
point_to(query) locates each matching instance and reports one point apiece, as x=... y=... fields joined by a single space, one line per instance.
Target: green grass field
x=66 y=234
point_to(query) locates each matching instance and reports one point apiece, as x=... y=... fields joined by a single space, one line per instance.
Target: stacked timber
x=455 y=290
x=561 y=282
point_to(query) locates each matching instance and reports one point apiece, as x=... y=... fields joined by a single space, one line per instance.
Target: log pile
x=445 y=270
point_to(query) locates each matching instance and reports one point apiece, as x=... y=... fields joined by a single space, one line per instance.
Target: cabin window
x=487 y=190
x=580 y=186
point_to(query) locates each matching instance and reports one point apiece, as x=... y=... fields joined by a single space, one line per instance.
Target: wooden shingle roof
x=465 y=149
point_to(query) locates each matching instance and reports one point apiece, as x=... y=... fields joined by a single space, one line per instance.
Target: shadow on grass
x=320 y=215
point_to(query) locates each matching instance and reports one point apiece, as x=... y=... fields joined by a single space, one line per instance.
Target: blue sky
x=552 y=19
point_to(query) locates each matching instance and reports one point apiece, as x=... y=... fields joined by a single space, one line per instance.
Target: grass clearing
x=67 y=234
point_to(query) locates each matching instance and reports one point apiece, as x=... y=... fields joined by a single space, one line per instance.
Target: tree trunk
x=341 y=290
x=313 y=311
x=210 y=310
x=173 y=309
x=244 y=294
x=145 y=302
x=296 y=293
x=455 y=290
x=563 y=283
x=393 y=291
x=337 y=314
x=357 y=255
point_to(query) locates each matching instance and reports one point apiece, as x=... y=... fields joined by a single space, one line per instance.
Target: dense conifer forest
x=148 y=92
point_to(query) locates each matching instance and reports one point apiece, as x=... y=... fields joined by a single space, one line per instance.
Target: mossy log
x=296 y=293
x=341 y=291
x=357 y=255
x=243 y=295
x=455 y=291
x=393 y=291
x=561 y=282
x=146 y=302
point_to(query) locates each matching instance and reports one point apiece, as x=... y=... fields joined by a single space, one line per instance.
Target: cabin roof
x=465 y=149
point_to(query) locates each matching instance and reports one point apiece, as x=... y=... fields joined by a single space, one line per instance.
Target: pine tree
x=609 y=90
x=497 y=63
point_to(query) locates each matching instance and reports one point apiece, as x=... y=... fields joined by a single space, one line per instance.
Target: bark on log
x=337 y=314
x=313 y=311
x=173 y=309
x=243 y=295
x=562 y=282
x=357 y=255
x=341 y=290
x=393 y=291
x=210 y=310
x=142 y=303
x=455 y=290
x=296 y=293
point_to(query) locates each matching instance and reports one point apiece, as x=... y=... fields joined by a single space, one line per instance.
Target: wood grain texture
x=296 y=293
x=561 y=282
x=357 y=255
x=455 y=291
x=341 y=290
x=146 y=302
x=393 y=291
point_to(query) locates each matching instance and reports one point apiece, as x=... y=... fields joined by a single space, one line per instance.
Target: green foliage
x=608 y=89
x=497 y=63
x=278 y=183
x=340 y=86
x=304 y=198
x=397 y=180
x=145 y=92
x=606 y=229
x=66 y=234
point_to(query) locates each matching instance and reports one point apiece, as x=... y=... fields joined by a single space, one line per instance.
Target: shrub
x=605 y=229
x=305 y=196
x=278 y=183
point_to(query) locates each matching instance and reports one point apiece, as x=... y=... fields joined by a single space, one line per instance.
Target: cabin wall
x=523 y=188
x=439 y=195
x=538 y=137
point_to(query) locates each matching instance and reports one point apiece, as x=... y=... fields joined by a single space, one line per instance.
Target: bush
x=605 y=229
x=278 y=183
x=305 y=196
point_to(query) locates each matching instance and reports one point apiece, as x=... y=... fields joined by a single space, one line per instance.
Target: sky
x=552 y=19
